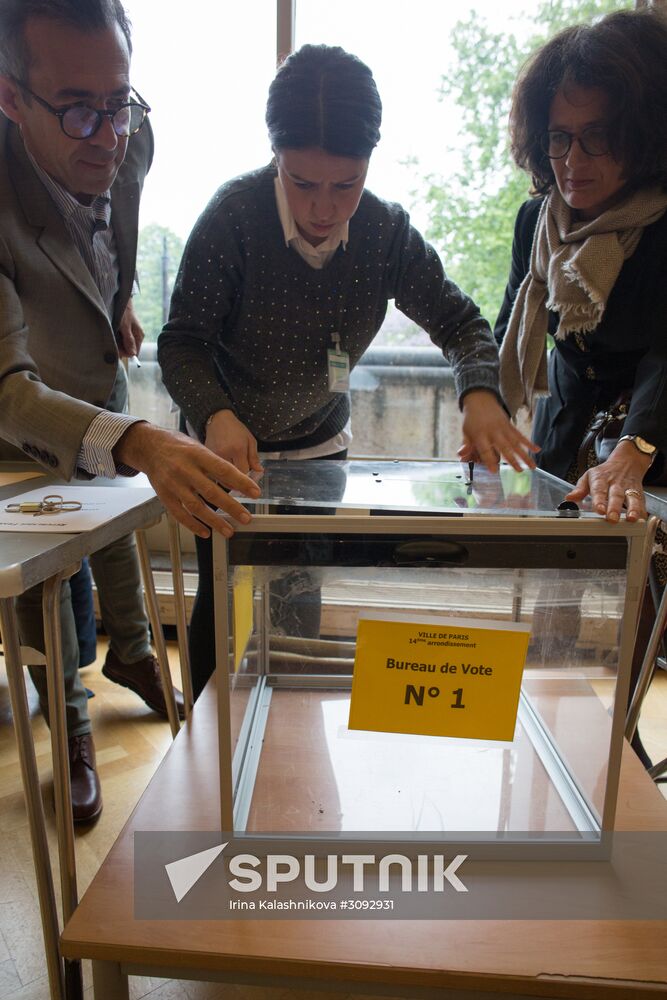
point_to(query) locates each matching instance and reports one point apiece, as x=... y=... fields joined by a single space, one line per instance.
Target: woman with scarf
x=589 y=261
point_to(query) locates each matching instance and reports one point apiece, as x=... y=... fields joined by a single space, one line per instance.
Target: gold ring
x=634 y=493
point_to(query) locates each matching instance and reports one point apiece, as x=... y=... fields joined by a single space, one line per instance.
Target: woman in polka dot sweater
x=296 y=260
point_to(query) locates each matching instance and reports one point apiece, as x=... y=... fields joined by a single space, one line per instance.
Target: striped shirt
x=90 y=228
x=92 y=232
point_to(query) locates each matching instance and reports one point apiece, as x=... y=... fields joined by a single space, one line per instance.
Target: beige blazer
x=58 y=353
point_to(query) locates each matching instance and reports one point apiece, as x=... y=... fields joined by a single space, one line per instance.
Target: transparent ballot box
x=380 y=583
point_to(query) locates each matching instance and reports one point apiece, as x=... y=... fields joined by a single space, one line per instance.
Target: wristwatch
x=640 y=444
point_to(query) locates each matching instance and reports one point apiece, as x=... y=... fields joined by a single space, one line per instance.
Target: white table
x=27 y=559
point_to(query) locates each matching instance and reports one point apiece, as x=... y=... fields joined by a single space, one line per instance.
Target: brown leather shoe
x=86 y=791
x=142 y=677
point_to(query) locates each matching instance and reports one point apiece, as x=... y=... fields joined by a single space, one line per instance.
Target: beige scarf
x=573 y=269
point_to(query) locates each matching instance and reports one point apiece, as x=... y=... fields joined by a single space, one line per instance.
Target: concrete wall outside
x=403 y=406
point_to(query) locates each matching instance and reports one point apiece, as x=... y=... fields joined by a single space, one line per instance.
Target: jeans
x=81 y=586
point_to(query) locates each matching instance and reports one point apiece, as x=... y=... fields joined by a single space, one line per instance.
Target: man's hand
x=489 y=434
x=227 y=437
x=130 y=335
x=185 y=474
x=615 y=483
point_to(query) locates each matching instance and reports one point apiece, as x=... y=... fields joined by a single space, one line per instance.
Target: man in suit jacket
x=73 y=158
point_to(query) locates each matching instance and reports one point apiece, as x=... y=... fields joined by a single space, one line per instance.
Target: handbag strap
x=595 y=430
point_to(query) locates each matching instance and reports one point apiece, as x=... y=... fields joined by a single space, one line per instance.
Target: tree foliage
x=472 y=211
x=158 y=256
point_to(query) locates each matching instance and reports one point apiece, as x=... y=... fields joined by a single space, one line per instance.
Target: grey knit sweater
x=251 y=321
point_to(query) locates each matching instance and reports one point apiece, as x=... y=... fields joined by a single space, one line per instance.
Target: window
x=207 y=81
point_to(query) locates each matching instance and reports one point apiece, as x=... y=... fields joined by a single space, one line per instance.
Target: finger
x=523 y=443
x=181 y=513
x=512 y=460
x=521 y=449
x=129 y=342
x=218 y=522
x=507 y=447
x=139 y=335
x=527 y=443
x=489 y=457
x=210 y=478
x=581 y=488
x=226 y=474
x=527 y=450
x=467 y=453
x=599 y=490
x=578 y=493
x=510 y=456
x=205 y=515
x=198 y=511
x=613 y=502
x=253 y=457
x=219 y=498
x=635 y=504
x=518 y=458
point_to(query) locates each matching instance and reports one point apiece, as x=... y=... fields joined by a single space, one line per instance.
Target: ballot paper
x=99 y=504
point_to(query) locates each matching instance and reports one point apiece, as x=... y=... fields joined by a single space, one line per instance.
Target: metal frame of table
x=656 y=502
x=28 y=559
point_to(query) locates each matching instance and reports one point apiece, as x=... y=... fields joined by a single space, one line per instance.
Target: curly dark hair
x=324 y=97
x=625 y=56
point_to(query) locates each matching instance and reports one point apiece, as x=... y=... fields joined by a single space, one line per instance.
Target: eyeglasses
x=594 y=141
x=81 y=122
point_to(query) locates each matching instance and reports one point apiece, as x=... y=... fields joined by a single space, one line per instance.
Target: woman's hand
x=489 y=434
x=231 y=440
x=615 y=483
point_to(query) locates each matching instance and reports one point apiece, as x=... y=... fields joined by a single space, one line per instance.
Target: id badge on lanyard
x=338 y=365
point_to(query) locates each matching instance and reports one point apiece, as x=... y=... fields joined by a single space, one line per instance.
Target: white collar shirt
x=319 y=256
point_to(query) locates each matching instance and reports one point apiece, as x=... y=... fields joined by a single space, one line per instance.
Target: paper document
x=99 y=504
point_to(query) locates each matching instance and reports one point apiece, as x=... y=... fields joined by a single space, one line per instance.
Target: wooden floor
x=130 y=741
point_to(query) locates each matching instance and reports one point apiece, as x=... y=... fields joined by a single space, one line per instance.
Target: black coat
x=627 y=350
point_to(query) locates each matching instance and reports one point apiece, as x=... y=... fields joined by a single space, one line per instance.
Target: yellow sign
x=243 y=596
x=442 y=677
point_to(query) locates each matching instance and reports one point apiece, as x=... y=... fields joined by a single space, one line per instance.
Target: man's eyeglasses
x=594 y=141
x=81 y=122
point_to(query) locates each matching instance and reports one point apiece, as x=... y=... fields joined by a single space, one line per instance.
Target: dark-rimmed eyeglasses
x=78 y=121
x=594 y=141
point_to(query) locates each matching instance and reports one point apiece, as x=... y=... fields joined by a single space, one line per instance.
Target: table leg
x=59 y=752
x=33 y=799
x=156 y=625
x=109 y=982
x=181 y=616
x=647 y=668
x=222 y=667
x=658 y=769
